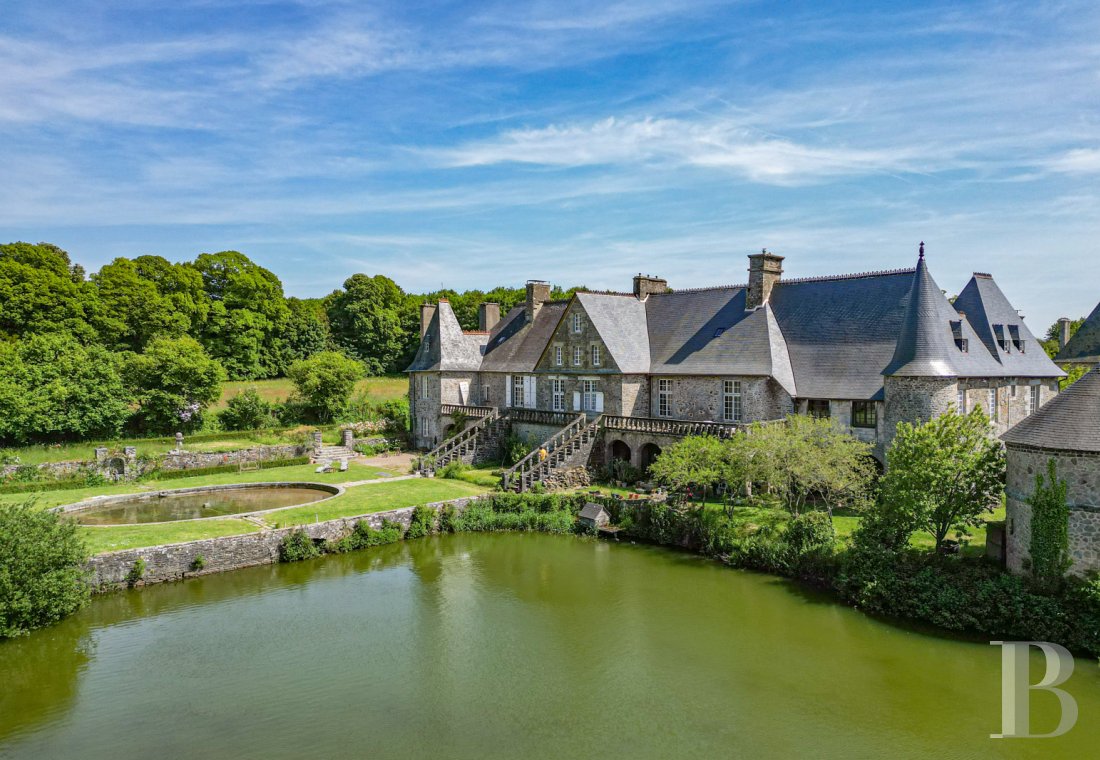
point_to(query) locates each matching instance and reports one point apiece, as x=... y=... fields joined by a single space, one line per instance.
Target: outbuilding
x=594 y=516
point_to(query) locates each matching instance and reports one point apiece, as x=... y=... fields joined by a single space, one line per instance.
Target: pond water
x=506 y=646
x=190 y=506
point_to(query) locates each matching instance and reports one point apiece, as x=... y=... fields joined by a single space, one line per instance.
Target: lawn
x=384 y=388
x=304 y=472
x=359 y=500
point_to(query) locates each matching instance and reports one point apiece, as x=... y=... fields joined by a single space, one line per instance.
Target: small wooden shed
x=594 y=516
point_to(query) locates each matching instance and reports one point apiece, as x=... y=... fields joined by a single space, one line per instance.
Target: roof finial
x=922 y=249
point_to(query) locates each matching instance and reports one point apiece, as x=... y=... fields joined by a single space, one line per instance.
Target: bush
x=198 y=563
x=41 y=569
x=514 y=448
x=422 y=523
x=810 y=531
x=453 y=470
x=296 y=546
x=247 y=411
x=137 y=572
x=364 y=536
x=324 y=382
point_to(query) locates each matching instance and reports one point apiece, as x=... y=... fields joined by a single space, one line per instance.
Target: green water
x=505 y=646
x=191 y=506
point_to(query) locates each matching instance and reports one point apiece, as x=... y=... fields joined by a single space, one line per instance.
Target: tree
x=1051 y=342
x=174 y=381
x=695 y=462
x=132 y=309
x=42 y=291
x=942 y=475
x=247 y=314
x=324 y=382
x=247 y=411
x=366 y=319
x=41 y=569
x=54 y=389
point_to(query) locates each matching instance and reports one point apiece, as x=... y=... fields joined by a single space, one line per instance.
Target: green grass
x=114 y=539
x=375 y=388
x=303 y=472
x=376 y=498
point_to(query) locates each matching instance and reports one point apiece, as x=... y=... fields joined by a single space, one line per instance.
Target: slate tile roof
x=447 y=348
x=1069 y=422
x=824 y=338
x=1084 y=346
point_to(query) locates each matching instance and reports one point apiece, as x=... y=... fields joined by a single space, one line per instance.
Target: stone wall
x=701 y=398
x=912 y=399
x=570 y=477
x=191 y=460
x=1081 y=471
x=175 y=561
x=1012 y=398
x=424 y=403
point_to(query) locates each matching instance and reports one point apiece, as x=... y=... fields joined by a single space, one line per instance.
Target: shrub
x=41 y=569
x=247 y=411
x=1050 y=558
x=453 y=470
x=422 y=523
x=810 y=531
x=198 y=563
x=514 y=448
x=296 y=546
x=363 y=536
x=324 y=382
x=137 y=572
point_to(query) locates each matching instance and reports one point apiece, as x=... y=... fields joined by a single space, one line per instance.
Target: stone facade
x=174 y=562
x=1081 y=471
x=912 y=399
x=701 y=399
x=1012 y=403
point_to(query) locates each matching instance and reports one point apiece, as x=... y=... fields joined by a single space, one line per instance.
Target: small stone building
x=1066 y=430
x=594 y=516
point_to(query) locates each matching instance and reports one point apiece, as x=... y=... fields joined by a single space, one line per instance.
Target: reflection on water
x=485 y=646
x=189 y=506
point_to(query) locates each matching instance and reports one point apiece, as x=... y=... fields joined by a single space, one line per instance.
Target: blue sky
x=475 y=144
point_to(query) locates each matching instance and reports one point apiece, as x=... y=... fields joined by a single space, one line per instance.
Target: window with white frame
x=423 y=386
x=557 y=394
x=485 y=395
x=517 y=391
x=731 y=400
x=558 y=356
x=578 y=356
x=960 y=404
x=595 y=355
x=1034 y=398
x=992 y=410
x=590 y=395
x=664 y=398
x=576 y=322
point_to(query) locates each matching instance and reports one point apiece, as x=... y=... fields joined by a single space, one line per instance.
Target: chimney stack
x=1064 y=325
x=646 y=284
x=765 y=270
x=427 y=311
x=538 y=293
x=488 y=314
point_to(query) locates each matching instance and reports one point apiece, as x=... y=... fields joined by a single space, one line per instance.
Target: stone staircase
x=333 y=453
x=569 y=447
x=476 y=443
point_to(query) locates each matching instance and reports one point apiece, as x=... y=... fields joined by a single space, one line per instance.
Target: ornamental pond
x=505 y=646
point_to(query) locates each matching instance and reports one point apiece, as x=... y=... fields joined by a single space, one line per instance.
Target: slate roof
x=447 y=348
x=928 y=339
x=620 y=320
x=515 y=345
x=819 y=338
x=1002 y=330
x=1084 y=346
x=591 y=511
x=1068 y=422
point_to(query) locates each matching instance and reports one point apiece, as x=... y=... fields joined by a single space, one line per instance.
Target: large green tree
x=366 y=320
x=174 y=380
x=941 y=475
x=41 y=290
x=247 y=314
x=324 y=382
x=52 y=388
x=132 y=308
x=696 y=463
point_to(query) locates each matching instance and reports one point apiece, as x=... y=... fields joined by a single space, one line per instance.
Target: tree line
x=144 y=343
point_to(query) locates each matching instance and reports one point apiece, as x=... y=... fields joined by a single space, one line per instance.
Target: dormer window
x=576 y=322
x=1014 y=336
x=427 y=341
x=961 y=343
x=1002 y=339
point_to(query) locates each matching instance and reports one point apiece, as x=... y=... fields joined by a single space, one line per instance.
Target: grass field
x=374 y=388
x=359 y=500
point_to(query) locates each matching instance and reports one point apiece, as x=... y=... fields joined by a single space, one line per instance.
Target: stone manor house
x=606 y=376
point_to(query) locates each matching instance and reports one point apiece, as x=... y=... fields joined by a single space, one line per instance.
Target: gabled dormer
x=599 y=333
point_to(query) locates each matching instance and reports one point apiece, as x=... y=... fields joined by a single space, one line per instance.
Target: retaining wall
x=173 y=562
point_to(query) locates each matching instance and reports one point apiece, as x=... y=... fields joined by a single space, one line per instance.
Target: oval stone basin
x=195 y=504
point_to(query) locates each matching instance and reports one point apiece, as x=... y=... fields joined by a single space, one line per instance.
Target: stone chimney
x=1064 y=325
x=427 y=311
x=646 y=284
x=538 y=293
x=765 y=269
x=488 y=314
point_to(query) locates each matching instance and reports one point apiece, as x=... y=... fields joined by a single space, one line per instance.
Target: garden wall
x=173 y=562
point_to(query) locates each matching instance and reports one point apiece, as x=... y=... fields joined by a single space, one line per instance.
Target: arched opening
x=620 y=451
x=650 y=452
x=116 y=468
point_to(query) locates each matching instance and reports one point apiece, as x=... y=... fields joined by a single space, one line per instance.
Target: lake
x=506 y=646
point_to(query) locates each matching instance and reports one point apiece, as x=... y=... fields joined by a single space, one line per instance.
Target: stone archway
x=620 y=451
x=650 y=452
x=114 y=468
